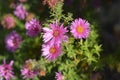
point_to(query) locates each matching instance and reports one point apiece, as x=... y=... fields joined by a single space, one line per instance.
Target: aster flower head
x=33 y=27
x=8 y=21
x=13 y=41
x=28 y=70
x=59 y=76
x=80 y=28
x=56 y=33
x=6 y=70
x=51 y=51
x=20 y=12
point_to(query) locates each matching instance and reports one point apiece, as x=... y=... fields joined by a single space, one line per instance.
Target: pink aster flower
x=56 y=33
x=80 y=28
x=59 y=76
x=51 y=51
x=28 y=71
x=6 y=70
x=33 y=27
x=20 y=12
x=13 y=41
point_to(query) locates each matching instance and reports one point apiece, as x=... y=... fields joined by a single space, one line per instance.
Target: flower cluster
x=55 y=43
x=28 y=71
x=53 y=37
x=32 y=68
x=56 y=34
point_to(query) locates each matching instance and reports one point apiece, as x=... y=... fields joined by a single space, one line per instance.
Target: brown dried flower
x=42 y=73
x=30 y=16
x=51 y=3
x=8 y=21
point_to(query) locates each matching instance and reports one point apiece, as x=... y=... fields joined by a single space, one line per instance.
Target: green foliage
x=57 y=14
x=77 y=54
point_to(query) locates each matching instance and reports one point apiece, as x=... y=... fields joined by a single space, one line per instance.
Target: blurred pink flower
x=13 y=41
x=80 y=28
x=6 y=70
x=33 y=27
x=20 y=12
x=59 y=76
x=8 y=21
x=56 y=33
x=51 y=51
x=28 y=71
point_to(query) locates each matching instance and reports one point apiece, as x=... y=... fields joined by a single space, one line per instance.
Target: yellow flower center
x=56 y=33
x=79 y=29
x=52 y=50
